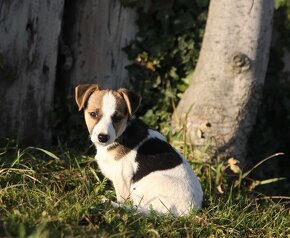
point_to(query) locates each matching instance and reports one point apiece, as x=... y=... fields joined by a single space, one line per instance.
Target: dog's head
x=106 y=111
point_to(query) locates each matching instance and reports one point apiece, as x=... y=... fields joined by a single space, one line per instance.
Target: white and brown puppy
x=143 y=167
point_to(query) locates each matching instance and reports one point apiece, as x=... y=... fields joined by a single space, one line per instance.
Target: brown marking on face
x=132 y=100
x=83 y=92
x=118 y=151
x=91 y=101
x=120 y=117
x=94 y=105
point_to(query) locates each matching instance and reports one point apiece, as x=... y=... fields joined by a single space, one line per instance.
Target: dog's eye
x=93 y=114
x=116 y=118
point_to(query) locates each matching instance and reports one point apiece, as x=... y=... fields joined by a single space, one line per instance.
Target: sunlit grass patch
x=59 y=193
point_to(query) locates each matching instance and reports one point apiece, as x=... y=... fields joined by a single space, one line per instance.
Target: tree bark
x=95 y=32
x=29 y=32
x=219 y=108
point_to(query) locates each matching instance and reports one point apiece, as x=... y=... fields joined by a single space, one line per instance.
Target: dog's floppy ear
x=132 y=99
x=82 y=93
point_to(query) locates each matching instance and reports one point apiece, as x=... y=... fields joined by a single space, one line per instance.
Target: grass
x=59 y=194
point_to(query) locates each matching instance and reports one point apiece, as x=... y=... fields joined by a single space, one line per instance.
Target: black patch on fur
x=135 y=132
x=155 y=155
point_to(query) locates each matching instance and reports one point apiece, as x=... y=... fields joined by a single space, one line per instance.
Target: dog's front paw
x=106 y=200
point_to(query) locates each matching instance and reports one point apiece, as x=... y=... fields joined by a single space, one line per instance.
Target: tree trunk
x=29 y=32
x=219 y=107
x=95 y=32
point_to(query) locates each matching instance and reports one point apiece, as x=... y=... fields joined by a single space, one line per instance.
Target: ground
x=59 y=192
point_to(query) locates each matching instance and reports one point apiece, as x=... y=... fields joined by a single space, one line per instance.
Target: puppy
x=142 y=166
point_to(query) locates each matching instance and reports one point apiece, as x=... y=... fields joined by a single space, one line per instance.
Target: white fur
x=119 y=172
x=176 y=190
x=105 y=125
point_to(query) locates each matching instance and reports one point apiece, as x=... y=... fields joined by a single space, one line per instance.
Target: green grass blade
x=50 y=154
x=261 y=162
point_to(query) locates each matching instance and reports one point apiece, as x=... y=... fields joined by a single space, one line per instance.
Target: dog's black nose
x=103 y=138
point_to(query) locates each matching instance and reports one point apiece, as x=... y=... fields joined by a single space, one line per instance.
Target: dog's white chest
x=116 y=169
x=107 y=165
x=120 y=172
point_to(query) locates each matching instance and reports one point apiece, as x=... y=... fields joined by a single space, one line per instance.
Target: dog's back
x=161 y=178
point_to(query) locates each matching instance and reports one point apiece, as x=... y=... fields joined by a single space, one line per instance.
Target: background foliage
x=165 y=53
x=45 y=194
